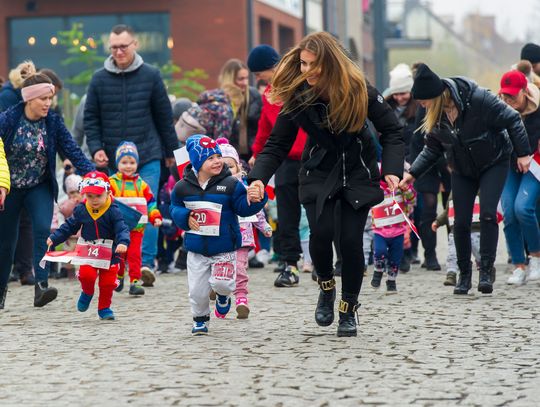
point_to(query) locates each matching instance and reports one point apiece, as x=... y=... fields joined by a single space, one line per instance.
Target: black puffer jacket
x=331 y=162
x=532 y=125
x=485 y=132
x=130 y=105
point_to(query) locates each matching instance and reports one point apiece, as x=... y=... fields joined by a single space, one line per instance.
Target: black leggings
x=352 y=223
x=490 y=183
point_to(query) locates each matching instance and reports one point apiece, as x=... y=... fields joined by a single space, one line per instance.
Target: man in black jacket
x=127 y=101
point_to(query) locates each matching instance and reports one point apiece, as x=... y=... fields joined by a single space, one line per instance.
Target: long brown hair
x=227 y=76
x=340 y=81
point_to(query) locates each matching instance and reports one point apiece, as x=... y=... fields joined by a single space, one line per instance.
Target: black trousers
x=289 y=211
x=490 y=183
x=352 y=223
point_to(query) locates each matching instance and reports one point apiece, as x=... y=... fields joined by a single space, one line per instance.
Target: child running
x=232 y=161
x=206 y=204
x=389 y=228
x=129 y=188
x=97 y=217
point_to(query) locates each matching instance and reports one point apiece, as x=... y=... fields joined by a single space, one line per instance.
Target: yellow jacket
x=4 y=169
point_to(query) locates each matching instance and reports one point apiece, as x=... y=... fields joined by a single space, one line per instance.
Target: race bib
x=248 y=219
x=207 y=215
x=139 y=204
x=96 y=253
x=387 y=213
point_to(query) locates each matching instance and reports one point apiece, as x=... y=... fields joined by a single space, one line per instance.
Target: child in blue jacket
x=97 y=217
x=206 y=204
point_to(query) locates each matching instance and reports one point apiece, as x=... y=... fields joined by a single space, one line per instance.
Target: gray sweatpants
x=451 y=259
x=204 y=273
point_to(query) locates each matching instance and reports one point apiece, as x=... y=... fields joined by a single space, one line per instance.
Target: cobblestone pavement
x=422 y=347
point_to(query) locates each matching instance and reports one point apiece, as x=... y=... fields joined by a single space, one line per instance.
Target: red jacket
x=269 y=114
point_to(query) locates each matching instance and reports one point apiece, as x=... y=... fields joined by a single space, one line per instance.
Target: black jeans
x=289 y=211
x=24 y=253
x=352 y=224
x=490 y=183
x=428 y=216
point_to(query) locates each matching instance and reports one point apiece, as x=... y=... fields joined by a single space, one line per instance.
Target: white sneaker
x=518 y=277
x=534 y=269
x=263 y=256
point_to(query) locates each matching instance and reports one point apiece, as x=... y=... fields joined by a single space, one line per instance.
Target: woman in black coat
x=477 y=132
x=325 y=93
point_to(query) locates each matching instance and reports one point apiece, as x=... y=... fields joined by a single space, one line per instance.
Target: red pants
x=134 y=256
x=107 y=283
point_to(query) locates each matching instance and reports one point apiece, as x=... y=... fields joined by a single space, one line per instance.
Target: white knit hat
x=401 y=80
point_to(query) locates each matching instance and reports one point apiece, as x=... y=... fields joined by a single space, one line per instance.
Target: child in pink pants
x=231 y=159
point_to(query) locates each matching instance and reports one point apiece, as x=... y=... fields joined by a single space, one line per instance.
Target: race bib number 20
x=207 y=215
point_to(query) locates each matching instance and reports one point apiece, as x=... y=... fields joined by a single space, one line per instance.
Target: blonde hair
x=340 y=81
x=435 y=111
x=227 y=76
x=235 y=96
x=21 y=72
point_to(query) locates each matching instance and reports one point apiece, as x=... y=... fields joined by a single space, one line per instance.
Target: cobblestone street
x=422 y=347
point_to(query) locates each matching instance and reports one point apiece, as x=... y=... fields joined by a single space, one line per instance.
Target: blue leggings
x=388 y=252
x=38 y=202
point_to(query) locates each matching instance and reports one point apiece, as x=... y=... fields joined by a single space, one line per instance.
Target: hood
x=111 y=67
x=215 y=95
x=533 y=99
x=191 y=177
x=461 y=89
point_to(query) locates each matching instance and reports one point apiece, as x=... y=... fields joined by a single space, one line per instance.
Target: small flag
x=396 y=207
x=182 y=160
x=271 y=188
x=535 y=165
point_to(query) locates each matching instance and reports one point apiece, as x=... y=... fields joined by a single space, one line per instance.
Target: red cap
x=95 y=182
x=512 y=82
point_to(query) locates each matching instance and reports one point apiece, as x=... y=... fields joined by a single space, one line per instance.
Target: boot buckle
x=343 y=306
x=327 y=285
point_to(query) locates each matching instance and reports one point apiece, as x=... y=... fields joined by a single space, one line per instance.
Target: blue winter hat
x=262 y=58
x=127 y=148
x=199 y=148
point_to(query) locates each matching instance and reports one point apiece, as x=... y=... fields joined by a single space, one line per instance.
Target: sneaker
x=223 y=306
x=450 y=279
x=119 y=283
x=43 y=294
x=242 y=309
x=106 y=314
x=288 y=277
x=148 y=276
x=163 y=267
x=135 y=288
x=534 y=269
x=376 y=279
x=405 y=265
x=172 y=269
x=280 y=267
x=391 y=287
x=263 y=256
x=253 y=263
x=518 y=277
x=84 y=302
x=200 y=327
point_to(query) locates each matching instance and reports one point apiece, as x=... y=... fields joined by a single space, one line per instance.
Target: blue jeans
x=388 y=252
x=38 y=202
x=519 y=198
x=150 y=173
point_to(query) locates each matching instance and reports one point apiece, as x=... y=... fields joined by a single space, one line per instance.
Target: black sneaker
x=281 y=267
x=391 y=287
x=254 y=263
x=135 y=288
x=44 y=294
x=405 y=265
x=288 y=277
x=376 y=279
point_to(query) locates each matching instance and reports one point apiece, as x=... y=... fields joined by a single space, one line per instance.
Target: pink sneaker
x=242 y=308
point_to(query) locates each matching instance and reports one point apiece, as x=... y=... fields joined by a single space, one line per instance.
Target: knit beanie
x=72 y=183
x=427 y=85
x=401 y=80
x=199 y=148
x=126 y=148
x=228 y=151
x=262 y=58
x=531 y=52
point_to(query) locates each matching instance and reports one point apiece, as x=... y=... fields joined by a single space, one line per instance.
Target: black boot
x=485 y=283
x=348 y=307
x=3 y=293
x=324 y=313
x=431 y=263
x=405 y=265
x=464 y=283
x=44 y=294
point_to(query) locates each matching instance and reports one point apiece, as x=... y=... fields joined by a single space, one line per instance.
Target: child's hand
x=158 y=223
x=193 y=224
x=49 y=242
x=256 y=191
x=121 y=248
x=434 y=226
x=268 y=233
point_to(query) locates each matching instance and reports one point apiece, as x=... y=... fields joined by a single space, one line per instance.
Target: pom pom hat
x=127 y=148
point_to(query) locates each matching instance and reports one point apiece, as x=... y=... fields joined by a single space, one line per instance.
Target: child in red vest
x=129 y=188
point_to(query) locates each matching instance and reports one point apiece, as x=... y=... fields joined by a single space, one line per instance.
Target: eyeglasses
x=123 y=47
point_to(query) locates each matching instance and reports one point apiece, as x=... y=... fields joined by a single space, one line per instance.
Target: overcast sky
x=514 y=17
